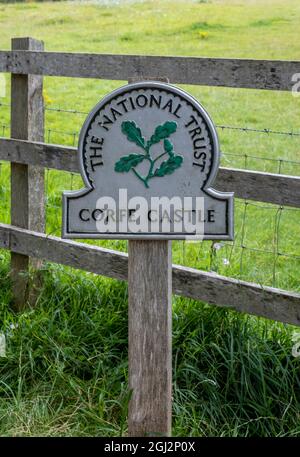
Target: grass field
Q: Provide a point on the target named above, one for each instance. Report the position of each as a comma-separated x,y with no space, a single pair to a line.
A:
66,367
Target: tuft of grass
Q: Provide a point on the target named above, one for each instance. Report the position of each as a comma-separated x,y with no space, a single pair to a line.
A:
198,26
52,21
269,22
127,37
234,375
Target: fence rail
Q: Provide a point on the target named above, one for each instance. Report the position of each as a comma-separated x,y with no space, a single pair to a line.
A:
246,184
26,239
212,288
241,73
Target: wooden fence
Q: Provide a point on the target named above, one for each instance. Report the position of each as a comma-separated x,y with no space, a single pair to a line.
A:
29,156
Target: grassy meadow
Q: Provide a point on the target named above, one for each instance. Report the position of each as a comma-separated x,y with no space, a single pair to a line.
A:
65,369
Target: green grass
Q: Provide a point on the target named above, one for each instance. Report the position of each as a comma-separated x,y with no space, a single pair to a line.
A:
66,366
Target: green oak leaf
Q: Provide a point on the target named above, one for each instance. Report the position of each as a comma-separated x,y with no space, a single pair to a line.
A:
133,133
169,166
127,162
168,147
162,131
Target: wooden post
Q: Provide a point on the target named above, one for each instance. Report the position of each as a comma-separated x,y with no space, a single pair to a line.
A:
150,337
27,182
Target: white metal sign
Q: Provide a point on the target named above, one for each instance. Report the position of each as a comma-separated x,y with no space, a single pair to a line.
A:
148,155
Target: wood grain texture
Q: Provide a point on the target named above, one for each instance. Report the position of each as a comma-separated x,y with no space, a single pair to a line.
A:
149,337
242,296
104,262
268,302
27,182
264,187
243,73
253,185
39,154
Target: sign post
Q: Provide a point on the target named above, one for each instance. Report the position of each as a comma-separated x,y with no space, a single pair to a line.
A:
149,337
148,155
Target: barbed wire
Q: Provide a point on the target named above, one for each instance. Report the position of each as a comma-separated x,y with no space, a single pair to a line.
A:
250,156
266,130
64,110
222,127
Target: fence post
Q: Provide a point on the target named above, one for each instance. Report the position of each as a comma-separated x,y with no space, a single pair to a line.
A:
27,182
150,337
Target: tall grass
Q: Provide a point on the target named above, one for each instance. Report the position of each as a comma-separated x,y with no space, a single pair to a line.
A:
66,367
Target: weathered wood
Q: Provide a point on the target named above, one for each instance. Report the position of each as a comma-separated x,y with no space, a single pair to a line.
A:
252,185
39,154
243,73
264,187
268,302
27,182
97,260
149,337
242,296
